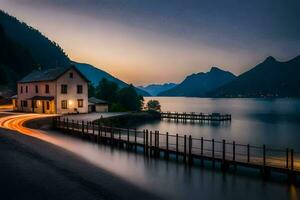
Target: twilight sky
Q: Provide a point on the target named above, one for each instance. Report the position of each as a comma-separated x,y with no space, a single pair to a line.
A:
156,41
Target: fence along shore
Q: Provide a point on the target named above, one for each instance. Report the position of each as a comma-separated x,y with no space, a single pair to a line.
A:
187,149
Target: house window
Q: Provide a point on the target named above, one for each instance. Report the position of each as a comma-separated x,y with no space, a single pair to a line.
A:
71,74
79,89
21,89
26,89
64,104
36,89
47,89
64,89
48,105
80,103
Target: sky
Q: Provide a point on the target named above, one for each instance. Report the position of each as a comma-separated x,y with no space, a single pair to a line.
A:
158,41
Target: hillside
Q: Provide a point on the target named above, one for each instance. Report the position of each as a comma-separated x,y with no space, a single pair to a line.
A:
155,89
95,75
271,78
198,85
24,49
44,51
15,61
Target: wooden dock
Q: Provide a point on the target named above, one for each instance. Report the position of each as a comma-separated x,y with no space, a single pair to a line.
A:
194,117
186,149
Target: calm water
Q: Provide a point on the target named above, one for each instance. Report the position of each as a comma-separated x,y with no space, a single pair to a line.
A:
274,122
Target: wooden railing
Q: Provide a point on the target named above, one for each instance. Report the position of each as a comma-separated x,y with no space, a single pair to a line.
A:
187,148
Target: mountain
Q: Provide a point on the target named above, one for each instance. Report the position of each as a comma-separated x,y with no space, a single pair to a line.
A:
15,60
44,51
271,78
198,85
95,75
155,89
24,49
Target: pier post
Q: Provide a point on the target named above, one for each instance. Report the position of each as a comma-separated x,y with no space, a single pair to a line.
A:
213,152
190,150
201,152
158,151
98,138
154,148
176,146
248,153
82,128
147,142
135,141
287,158
167,146
151,146
127,138
93,128
224,150
292,159
233,154
264,156
184,149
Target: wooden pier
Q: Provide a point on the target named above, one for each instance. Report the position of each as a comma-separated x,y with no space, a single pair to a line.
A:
194,117
187,149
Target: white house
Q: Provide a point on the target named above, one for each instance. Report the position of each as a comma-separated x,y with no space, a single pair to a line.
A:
56,90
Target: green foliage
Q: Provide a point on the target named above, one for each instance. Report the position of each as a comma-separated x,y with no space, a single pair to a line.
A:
124,99
91,90
117,107
153,105
129,98
107,90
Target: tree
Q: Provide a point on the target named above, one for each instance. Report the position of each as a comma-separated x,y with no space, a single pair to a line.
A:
91,90
153,105
130,99
107,90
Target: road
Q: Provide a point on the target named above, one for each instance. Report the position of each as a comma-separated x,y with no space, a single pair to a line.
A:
44,167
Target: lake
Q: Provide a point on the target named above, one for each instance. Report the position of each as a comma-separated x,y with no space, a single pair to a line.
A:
274,122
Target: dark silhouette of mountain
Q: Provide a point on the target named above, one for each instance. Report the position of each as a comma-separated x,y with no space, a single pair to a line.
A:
155,89
95,75
24,49
271,78
15,61
198,85
44,52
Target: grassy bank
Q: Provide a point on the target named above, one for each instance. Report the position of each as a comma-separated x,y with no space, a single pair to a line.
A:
131,119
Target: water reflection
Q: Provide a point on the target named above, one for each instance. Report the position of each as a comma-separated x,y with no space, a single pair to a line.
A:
274,122
171,180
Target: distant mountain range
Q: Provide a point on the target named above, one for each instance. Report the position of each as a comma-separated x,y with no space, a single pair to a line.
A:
155,89
271,78
198,85
24,49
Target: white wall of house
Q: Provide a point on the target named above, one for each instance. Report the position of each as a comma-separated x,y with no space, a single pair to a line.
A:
72,96
29,91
